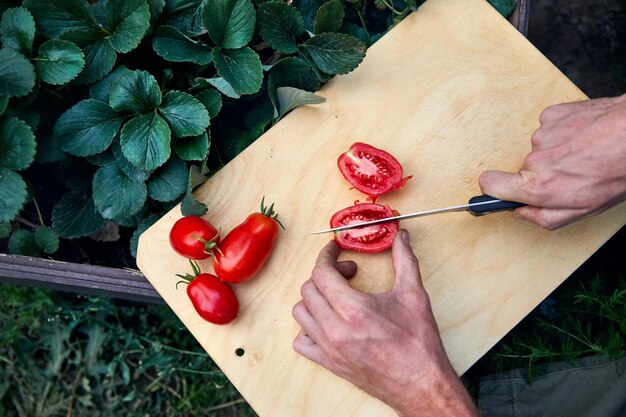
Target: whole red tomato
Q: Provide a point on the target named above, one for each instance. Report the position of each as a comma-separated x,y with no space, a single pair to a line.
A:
371,170
245,249
193,237
214,300
374,238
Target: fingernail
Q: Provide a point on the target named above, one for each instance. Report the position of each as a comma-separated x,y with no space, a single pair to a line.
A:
404,235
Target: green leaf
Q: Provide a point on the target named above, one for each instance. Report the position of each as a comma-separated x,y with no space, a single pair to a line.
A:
103,158
129,20
329,17
47,239
30,117
336,53
192,149
293,72
219,83
100,59
143,226
4,102
75,215
135,219
145,141
173,45
5,230
185,115
212,101
504,7
59,61
280,25
240,67
169,181
17,74
87,128
229,23
190,206
17,144
289,98
22,242
12,194
156,8
231,142
100,90
54,17
135,91
126,166
17,30
185,15
115,195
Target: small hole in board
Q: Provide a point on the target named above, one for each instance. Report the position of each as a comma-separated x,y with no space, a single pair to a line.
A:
239,352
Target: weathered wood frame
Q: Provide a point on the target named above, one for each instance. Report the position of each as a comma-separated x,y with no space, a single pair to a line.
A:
126,284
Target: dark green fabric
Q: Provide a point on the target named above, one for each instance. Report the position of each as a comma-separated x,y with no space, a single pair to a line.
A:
590,387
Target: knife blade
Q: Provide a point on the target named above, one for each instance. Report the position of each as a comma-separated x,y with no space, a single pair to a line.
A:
476,206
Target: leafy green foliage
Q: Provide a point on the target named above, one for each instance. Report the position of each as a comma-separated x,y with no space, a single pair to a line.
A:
280,25
335,53
229,23
17,74
17,30
504,7
175,46
76,215
329,17
59,62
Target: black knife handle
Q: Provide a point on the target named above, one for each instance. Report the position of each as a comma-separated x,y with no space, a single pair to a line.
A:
500,205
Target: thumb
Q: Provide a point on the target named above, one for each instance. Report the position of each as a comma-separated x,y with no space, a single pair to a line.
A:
504,185
405,262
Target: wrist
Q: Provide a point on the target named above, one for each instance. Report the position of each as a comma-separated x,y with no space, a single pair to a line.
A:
446,396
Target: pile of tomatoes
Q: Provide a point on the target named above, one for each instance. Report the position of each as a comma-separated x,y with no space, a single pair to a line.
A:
374,172
236,259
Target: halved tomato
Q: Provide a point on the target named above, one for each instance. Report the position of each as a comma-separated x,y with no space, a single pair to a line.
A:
371,170
373,238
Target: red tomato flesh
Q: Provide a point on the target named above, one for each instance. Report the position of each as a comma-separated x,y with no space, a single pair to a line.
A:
213,300
374,238
371,170
244,250
193,237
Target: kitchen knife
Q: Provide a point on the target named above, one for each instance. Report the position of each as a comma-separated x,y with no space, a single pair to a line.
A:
477,206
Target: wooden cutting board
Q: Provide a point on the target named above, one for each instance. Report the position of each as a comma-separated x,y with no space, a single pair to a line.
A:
451,91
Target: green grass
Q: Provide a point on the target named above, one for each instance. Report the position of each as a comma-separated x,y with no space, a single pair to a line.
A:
65,355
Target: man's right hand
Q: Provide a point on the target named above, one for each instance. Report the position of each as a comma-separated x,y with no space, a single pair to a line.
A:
577,166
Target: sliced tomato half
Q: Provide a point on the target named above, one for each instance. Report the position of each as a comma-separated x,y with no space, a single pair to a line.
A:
371,170
373,238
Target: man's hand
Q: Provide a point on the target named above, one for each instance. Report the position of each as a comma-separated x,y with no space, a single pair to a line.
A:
386,344
577,167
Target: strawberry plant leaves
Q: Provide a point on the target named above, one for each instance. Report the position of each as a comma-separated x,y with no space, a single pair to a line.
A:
293,72
100,59
185,15
169,181
289,98
22,242
190,206
5,230
156,8
17,30
504,7
280,25
240,67
4,102
103,158
17,144
212,101
128,20
126,166
47,239
143,226
12,194
115,195
59,61
184,113
335,53
17,74
145,141
101,89
87,128
54,17
229,23
135,91
329,17
192,149
75,215
173,45
219,83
